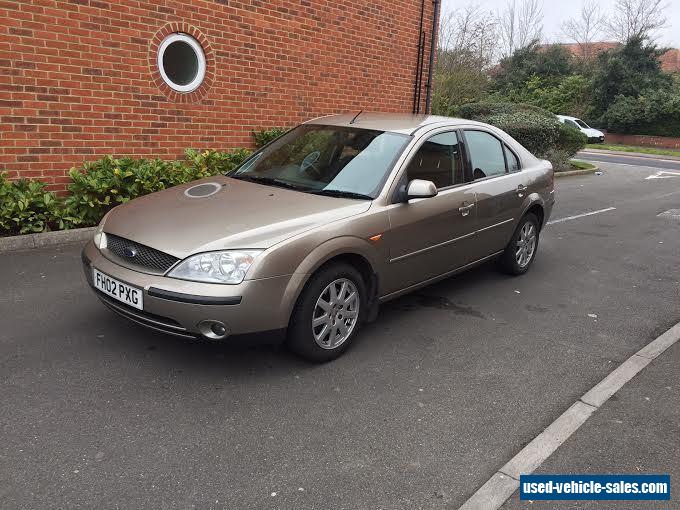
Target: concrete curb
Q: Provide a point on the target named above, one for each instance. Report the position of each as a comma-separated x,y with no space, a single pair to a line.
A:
31,241
629,154
496,491
577,172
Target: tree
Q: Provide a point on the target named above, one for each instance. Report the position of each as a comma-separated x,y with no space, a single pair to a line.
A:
466,49
467,40
631,70
549,63
571,96
636,19
585,28
519,25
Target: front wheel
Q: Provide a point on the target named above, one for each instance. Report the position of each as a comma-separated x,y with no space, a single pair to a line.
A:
521,250
328,313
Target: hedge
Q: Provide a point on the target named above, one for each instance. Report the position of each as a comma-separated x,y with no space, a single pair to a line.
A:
26,206
538,130
656,113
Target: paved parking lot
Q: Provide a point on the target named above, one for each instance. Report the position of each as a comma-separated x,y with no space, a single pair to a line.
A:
432,399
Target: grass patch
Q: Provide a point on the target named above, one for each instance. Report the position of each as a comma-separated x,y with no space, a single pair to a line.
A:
574,164
580,165
632,148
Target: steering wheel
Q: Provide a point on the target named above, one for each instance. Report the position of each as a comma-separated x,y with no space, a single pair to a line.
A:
310,162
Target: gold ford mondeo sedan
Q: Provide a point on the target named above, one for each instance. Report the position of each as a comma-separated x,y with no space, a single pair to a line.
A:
311,233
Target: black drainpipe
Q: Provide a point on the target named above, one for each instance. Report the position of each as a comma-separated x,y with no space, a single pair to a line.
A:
419,62
433,42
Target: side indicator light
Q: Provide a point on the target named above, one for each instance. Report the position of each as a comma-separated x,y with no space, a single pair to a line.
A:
375,238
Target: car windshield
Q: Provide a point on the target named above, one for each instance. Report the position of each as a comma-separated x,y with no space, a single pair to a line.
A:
581,123
327,160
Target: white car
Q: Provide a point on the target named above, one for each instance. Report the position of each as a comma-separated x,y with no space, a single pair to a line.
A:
593,134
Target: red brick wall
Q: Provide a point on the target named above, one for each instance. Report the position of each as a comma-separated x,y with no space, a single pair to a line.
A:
643,140
78,78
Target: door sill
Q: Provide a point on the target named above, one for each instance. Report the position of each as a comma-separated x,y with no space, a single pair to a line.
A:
424,283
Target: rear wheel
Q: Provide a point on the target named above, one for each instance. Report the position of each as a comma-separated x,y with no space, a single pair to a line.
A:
521,250
328,313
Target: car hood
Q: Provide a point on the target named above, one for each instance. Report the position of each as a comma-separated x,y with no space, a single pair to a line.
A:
238,214
592,132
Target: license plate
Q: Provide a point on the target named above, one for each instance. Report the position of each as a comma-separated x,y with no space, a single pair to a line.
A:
118,290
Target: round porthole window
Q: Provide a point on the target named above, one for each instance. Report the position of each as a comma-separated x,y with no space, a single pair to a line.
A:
181,62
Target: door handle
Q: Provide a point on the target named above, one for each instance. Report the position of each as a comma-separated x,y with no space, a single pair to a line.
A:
465,209
520,190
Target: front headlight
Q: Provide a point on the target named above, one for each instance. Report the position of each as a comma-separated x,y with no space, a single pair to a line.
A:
100,236
228,266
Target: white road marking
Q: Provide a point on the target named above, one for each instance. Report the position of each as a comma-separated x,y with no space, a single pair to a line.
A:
663,174
671,213
583,215
495,492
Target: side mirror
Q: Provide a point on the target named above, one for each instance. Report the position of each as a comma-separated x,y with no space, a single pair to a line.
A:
419,188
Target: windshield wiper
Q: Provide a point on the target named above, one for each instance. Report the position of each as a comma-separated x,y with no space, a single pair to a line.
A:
341,194
270,181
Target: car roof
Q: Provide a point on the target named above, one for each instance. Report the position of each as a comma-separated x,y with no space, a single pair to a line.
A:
404,123
568,117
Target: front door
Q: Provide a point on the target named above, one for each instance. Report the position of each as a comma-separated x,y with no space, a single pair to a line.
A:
427,236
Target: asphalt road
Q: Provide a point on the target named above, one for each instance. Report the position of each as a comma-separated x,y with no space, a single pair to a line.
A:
659,162
431,400
637,431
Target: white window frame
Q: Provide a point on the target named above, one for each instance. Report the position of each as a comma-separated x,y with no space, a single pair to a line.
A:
198,50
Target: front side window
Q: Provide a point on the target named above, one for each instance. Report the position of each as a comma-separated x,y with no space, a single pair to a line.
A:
486,154
582,124
438,160
330,160
571,123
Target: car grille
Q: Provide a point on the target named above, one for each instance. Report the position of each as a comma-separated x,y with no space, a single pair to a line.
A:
163,324
144,257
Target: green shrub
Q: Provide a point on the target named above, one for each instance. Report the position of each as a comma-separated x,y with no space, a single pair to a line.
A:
568,96
100,185
96,187
538,130
26,207
211,162
571,140
265,136
474,111
653,113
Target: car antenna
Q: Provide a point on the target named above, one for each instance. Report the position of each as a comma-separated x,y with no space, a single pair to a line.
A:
362,110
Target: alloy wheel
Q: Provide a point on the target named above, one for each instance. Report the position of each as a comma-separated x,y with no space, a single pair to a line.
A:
526,244
336,313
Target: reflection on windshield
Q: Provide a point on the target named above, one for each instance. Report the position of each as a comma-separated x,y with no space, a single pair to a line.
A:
332,160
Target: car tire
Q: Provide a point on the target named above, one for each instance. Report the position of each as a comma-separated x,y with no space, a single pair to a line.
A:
520,252
335,298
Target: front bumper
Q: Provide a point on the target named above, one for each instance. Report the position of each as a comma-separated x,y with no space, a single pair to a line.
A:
177,306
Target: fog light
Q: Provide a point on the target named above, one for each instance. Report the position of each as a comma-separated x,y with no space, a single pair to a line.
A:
214,330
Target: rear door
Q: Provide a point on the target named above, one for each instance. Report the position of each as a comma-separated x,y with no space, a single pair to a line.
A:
499,186
428,236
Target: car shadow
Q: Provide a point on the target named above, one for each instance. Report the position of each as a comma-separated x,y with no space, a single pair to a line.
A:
247,356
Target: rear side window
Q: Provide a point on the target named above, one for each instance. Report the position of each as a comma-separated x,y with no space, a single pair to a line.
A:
438,160
486,154
512,160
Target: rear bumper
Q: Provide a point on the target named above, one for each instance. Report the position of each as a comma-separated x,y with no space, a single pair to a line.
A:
177,307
